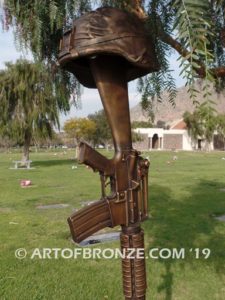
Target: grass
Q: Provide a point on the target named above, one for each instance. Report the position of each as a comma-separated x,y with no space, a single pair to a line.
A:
184,196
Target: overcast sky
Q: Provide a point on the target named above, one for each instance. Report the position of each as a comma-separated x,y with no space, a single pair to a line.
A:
90,100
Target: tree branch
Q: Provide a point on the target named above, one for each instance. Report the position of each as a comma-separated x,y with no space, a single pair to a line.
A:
136,7
166,38
218,72
201,70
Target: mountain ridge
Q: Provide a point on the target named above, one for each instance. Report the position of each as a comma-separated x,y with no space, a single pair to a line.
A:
164,111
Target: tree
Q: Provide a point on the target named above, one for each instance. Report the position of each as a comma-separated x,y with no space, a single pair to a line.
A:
141,124
193,125
6,142
194,29
80,129
161,124
221,127
45,141
102,134
202,123
28,103
137,137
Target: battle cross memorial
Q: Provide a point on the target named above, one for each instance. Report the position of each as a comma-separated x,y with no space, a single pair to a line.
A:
105,49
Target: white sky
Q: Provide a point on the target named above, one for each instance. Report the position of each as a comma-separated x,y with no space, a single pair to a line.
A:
90,100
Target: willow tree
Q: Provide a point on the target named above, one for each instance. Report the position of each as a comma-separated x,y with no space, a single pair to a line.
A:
29,104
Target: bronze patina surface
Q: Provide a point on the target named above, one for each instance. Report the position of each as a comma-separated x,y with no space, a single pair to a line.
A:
107,31
105,49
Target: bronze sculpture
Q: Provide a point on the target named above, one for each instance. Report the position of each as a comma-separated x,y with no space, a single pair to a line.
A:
107,48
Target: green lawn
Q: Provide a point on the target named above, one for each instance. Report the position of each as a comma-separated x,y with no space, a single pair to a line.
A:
184,196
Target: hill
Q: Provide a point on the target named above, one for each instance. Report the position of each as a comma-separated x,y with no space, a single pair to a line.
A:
164,111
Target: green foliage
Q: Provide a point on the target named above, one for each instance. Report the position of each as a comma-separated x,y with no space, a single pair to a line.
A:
221,125
102,134
141,124
193,126
202,123
194,28
136,136
194,25
80,129
39,25
28,102
160,124
152,85
208,121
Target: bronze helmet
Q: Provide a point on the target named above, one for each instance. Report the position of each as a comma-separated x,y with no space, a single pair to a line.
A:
107,31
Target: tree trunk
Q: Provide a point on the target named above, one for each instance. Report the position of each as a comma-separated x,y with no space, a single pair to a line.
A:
26,146
76,152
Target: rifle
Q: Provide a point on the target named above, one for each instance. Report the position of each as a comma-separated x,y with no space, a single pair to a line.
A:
120,207
127,172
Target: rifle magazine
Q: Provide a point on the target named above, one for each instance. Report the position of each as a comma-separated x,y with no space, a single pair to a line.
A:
89,220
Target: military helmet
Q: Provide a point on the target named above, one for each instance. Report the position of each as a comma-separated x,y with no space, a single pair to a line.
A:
107,31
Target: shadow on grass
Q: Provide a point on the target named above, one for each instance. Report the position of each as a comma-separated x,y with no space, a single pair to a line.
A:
52,163
187,223
167,281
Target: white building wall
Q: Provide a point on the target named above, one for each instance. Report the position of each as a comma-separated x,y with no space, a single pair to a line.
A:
185,145
150,131
187,142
